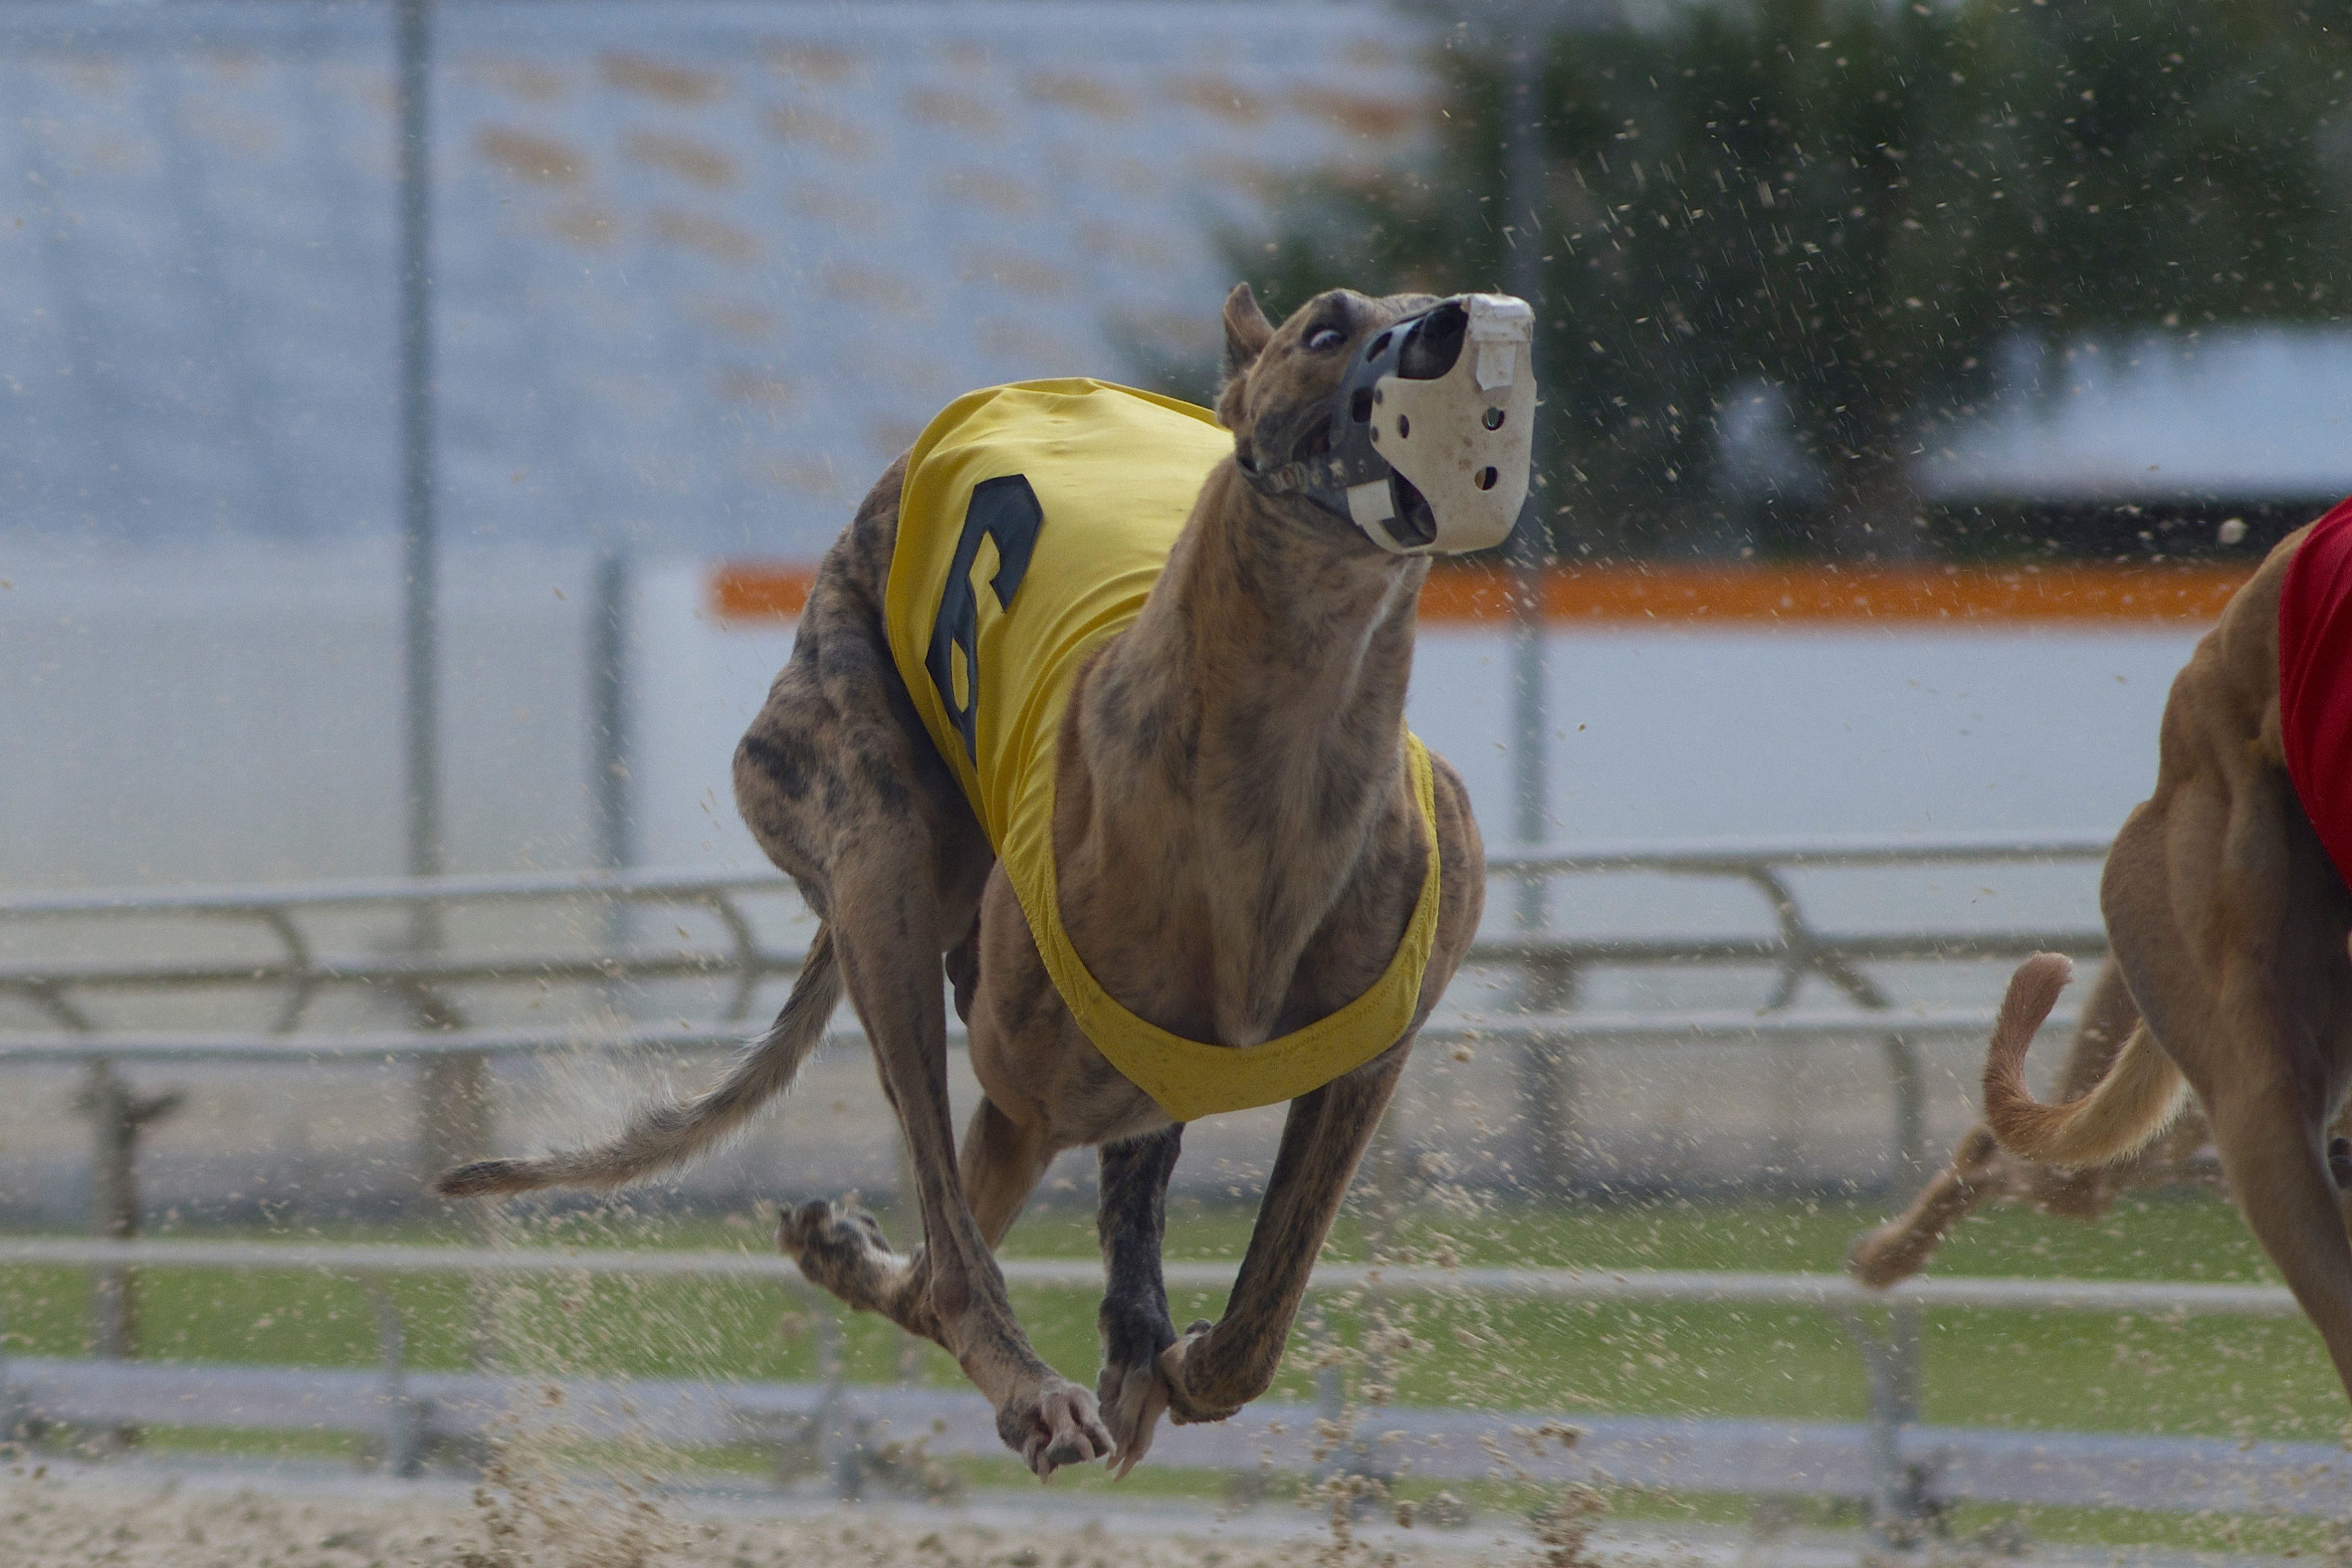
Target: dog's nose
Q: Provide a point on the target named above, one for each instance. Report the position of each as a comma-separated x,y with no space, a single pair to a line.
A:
1436,343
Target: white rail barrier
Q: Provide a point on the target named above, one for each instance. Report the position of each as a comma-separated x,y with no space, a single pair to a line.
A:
302,961
304,935
852,1431
301,965
2186,1298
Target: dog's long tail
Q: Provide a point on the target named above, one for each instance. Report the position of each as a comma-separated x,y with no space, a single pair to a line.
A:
668,1134
2138,1099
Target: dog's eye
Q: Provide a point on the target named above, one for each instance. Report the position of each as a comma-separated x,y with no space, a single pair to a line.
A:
1323,339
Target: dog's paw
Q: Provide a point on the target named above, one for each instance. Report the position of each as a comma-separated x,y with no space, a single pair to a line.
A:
1052,1425
1132,1399
841,1248
1184,1405
1884,1257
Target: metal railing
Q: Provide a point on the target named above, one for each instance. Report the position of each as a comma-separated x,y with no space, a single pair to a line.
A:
305,953
308,953
302,966
849,1432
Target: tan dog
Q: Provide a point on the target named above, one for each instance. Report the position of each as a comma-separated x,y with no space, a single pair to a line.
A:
1980,1171
2228,923
1239,845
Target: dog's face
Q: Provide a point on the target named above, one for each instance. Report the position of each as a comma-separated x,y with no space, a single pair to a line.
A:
1279,380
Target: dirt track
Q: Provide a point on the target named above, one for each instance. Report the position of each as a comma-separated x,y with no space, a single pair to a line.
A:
126,1521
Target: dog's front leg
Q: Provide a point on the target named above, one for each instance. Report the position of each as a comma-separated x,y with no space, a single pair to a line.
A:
886,925
1131,1221
1215,1369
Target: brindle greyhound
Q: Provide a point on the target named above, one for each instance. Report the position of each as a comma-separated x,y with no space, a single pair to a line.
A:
2228,926
1239,850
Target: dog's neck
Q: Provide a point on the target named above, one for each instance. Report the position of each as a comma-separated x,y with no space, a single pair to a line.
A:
1240,741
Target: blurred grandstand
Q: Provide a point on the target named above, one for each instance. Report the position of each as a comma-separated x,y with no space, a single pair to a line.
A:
702,269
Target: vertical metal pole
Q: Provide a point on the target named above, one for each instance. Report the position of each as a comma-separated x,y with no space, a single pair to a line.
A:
403,1417
1530,543
117,1116
1547,1089
608,654
841,1449
1903,1375
1899,1493
113,1211
1548,1083
452,1089
608,728
413,20
1907,1079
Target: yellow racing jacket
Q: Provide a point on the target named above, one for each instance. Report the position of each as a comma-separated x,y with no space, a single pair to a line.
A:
1034,521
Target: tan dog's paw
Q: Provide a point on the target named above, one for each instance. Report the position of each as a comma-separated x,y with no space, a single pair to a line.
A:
1132,1398
1052,1425
1183,1408
1889,1255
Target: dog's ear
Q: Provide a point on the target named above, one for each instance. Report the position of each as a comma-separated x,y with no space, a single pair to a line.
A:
1246,330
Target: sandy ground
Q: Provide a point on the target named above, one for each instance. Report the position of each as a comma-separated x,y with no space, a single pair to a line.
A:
142,1513
141,1516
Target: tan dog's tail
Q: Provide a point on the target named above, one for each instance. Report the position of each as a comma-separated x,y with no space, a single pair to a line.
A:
664,1135
2138,1099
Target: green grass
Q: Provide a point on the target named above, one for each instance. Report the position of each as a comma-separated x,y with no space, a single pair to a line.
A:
2235,1377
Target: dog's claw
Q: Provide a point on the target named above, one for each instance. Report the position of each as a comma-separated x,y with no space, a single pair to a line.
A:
1059,1427
1132,1399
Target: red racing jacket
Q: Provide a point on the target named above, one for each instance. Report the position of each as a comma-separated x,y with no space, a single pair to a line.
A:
2315,681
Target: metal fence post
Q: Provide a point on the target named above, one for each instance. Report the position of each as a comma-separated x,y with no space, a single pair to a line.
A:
1900,1506
17,1420
840,1447
608,717
404,1417
117,1116
608,743
452,1090
1548,1081
1909,1083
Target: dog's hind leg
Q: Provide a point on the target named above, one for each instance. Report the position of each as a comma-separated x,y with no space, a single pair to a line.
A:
1215,1369
890,929
2269,1127
2230,926
1979,1170
1901,1248
1132,1223
844,1249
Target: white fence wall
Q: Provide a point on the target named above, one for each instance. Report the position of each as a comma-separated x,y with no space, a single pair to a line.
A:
232,713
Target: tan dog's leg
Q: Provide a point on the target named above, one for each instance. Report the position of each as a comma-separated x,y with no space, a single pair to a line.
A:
889,929
2253,1025
1979,1170
1215,1369
1899,1249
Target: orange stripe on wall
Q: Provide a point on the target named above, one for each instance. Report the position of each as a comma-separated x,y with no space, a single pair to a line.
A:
751,591
755,591
1727,595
